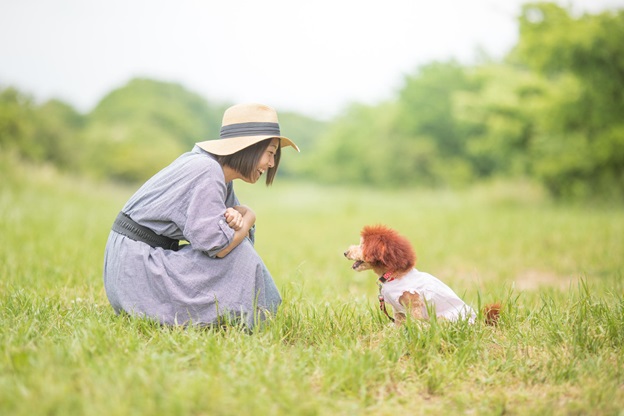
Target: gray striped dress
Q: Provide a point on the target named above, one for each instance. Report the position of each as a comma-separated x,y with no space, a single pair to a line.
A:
187,201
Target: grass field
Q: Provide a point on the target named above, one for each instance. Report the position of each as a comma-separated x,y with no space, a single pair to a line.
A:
329,351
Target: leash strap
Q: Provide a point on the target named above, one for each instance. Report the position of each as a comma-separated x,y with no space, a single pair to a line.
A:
382,301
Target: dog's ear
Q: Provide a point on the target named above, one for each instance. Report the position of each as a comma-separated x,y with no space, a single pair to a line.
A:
382,246
374,250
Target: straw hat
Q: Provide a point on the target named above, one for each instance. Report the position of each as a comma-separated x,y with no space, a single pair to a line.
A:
244,125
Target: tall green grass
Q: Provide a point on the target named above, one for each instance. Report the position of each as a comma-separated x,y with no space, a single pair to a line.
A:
329,350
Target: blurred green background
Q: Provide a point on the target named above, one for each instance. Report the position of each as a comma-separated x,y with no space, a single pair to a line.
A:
551,112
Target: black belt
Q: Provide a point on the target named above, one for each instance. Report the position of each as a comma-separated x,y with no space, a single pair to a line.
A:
125,225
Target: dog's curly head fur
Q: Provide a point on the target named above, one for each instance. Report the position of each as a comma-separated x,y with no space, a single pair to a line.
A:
382,249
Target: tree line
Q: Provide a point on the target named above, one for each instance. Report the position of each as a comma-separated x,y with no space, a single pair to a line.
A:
552,110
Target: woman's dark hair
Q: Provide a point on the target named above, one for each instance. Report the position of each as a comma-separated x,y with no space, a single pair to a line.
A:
246,160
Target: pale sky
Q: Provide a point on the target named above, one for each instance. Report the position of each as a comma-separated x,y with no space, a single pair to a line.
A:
313,57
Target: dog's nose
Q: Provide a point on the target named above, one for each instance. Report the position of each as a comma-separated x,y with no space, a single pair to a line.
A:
345,254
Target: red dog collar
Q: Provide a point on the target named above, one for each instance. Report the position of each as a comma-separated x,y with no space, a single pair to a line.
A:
386,277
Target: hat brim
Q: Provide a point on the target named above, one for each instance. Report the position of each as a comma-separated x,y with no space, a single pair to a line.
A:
232,145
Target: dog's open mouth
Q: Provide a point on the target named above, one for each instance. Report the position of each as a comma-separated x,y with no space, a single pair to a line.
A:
357,264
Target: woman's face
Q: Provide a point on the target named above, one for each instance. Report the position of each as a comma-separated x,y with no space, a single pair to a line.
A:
266,161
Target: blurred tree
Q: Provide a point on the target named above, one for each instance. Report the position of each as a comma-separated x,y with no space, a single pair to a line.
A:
356,148
417,140
17,133
501,116
140,128
305,131
58,127
579,148
169,107
431,134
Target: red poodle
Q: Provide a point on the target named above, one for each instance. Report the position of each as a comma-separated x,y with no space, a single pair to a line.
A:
407,289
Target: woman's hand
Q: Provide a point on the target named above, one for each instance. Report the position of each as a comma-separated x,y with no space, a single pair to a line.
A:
234,218
240,218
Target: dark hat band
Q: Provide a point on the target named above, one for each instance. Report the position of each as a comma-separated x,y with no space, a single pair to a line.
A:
250,129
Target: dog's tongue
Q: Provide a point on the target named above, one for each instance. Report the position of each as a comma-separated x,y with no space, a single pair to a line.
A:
357,264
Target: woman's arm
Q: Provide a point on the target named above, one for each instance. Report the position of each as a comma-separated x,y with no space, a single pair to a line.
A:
240,218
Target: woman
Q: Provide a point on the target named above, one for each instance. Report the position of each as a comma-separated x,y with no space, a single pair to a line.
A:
218,276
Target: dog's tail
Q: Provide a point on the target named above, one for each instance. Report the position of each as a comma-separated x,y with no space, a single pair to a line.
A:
491,312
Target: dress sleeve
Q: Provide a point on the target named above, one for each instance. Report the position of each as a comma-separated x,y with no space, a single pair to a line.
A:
205,226
230,199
